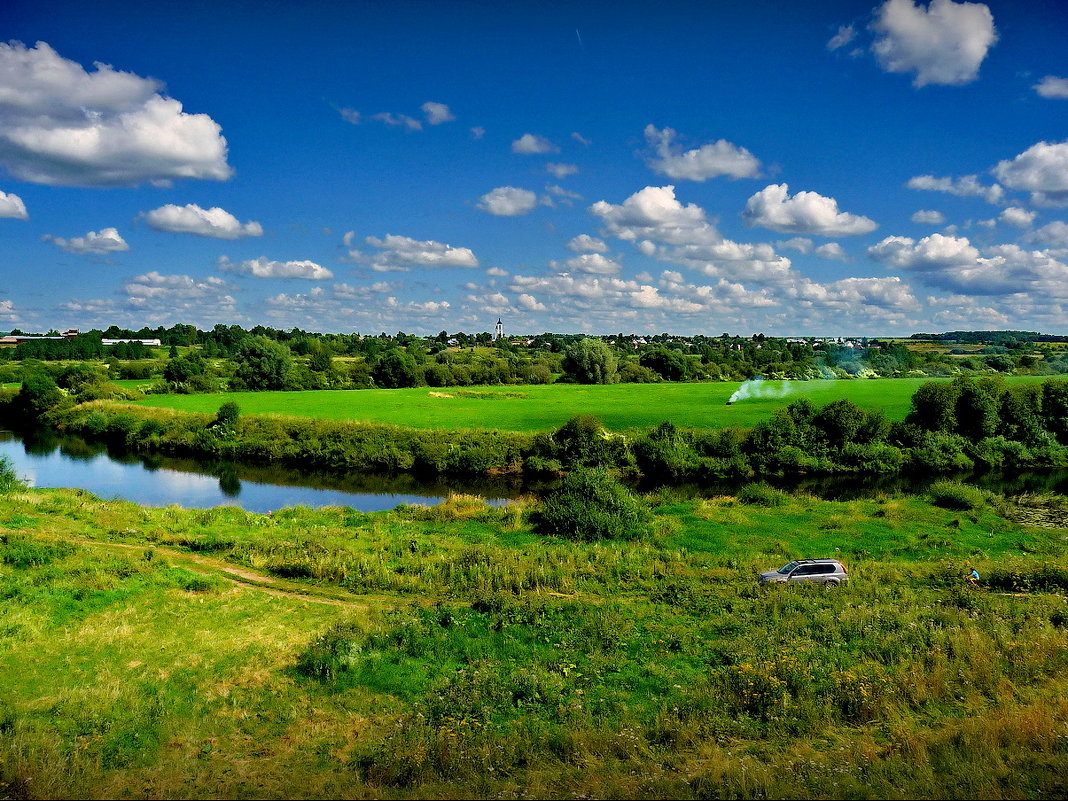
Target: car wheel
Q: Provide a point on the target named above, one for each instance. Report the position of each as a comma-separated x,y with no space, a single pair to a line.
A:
831,583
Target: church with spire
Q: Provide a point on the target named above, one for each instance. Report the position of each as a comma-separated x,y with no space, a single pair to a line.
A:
498,332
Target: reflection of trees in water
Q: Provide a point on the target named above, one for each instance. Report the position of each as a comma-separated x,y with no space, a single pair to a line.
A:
229,482
40,442
79,450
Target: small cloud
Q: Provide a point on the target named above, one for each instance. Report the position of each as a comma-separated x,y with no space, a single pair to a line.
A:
832,250
401,253
397,120
584,243
1052,87
107,240
12,207
592,263
582,140
799,243
845,35
928,217
350,115
708,161
497,272
478,132
965,186
436,113
1015,216
215,222
265,268
1042,170
804,213
508,201
533,144
561,171
530,303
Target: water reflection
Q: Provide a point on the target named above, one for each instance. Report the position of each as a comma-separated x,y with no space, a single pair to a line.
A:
45,459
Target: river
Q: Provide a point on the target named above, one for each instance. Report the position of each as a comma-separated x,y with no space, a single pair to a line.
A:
45,459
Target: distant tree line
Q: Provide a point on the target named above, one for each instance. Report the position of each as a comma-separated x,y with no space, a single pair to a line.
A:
263,358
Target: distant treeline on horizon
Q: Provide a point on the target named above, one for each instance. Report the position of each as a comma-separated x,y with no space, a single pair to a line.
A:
184,334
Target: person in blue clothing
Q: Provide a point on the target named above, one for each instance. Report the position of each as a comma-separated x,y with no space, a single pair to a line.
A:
973,577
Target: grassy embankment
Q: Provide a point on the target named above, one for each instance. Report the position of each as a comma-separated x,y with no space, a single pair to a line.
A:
544,407
475,657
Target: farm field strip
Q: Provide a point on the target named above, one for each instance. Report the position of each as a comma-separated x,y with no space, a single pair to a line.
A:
543,407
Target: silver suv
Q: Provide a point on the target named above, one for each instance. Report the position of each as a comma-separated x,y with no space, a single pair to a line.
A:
828,572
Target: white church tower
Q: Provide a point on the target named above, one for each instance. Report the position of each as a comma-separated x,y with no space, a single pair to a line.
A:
498,332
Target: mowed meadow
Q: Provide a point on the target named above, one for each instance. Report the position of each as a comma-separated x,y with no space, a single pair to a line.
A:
542,407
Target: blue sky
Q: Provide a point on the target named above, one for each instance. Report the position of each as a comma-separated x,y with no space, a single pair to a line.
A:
818,168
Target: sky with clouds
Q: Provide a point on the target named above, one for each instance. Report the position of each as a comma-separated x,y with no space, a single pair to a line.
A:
821,168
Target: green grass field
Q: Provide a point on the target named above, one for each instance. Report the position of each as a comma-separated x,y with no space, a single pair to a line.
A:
451,652
543,407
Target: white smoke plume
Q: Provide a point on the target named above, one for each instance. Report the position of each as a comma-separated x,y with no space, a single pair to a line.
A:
759,388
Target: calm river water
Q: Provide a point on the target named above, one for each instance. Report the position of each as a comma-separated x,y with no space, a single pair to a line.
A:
43,459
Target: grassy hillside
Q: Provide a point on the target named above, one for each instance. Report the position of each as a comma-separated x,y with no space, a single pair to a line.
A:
452,652
537,408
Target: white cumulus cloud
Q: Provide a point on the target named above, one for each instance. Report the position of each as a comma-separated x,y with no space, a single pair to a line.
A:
62,125
508,201
832,250
1042,170
708,161
401,253
1021,218
654,213
1052,86
107,240
593,263
215,222
965,186
561,171
266,268
12,207
804,213
533,144
942,44
928,217
436,113
584,243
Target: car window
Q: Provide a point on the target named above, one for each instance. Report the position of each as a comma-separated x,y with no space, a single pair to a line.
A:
826,568
787,568
805,570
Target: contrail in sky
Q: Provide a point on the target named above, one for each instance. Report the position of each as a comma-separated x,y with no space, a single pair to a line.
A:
580,40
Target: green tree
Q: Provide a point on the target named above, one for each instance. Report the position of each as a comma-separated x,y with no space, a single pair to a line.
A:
670,364
934,407
977,408
38,395
591,361
396,368
263,364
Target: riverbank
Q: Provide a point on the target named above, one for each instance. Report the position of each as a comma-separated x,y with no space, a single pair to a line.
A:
470,656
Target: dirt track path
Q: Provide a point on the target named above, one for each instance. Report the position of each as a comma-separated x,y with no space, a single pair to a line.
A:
240,576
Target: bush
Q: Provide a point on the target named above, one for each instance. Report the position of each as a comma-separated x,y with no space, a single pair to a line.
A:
9,480
957,496
761,494
590,505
